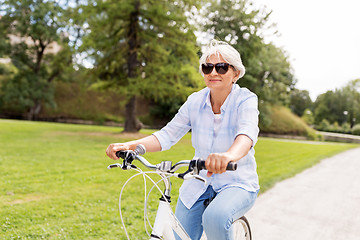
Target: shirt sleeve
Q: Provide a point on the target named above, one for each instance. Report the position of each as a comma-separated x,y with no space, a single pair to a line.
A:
248,115
175,129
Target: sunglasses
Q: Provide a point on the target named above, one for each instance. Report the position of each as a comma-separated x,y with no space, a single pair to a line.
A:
221,68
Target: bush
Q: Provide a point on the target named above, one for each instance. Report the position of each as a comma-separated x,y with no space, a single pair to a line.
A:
265,115
77,101
346,127
324,125
308,117
335,127
356,129
283,121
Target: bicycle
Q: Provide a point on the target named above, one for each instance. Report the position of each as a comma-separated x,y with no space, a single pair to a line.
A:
165,221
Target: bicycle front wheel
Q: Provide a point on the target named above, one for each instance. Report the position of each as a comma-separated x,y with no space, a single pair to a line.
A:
241,230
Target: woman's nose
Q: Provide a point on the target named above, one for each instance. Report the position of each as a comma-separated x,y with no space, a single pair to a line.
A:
214,72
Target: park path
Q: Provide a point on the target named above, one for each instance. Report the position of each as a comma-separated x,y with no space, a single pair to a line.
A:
322,202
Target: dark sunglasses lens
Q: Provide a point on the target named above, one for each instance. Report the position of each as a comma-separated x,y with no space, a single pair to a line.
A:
207,68
221,68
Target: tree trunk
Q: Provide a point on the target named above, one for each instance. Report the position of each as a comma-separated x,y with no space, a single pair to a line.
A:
34,111
132,124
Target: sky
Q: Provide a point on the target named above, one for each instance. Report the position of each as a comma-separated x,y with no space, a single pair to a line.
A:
321,38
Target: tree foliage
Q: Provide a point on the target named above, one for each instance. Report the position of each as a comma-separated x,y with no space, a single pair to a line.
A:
300,101
142,48
341,106
275,80
30,29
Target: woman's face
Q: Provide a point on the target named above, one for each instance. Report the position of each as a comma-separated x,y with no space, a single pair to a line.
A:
216,81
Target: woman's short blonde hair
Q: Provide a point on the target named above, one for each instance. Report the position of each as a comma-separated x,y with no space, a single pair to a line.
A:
230,55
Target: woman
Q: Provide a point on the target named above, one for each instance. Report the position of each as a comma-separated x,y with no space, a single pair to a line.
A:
223,119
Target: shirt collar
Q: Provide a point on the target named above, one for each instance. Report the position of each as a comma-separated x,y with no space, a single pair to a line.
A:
223,107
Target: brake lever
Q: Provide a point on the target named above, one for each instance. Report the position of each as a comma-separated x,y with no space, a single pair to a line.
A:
124,167
114,166
191,175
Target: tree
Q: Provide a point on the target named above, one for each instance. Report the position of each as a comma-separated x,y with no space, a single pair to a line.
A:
341,105
299,101
37,48
275,81
352,95
329,106
142,48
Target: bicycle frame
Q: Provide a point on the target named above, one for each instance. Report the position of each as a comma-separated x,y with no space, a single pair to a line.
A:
166,223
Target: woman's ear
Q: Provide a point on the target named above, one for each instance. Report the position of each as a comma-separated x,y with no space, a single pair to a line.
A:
236,76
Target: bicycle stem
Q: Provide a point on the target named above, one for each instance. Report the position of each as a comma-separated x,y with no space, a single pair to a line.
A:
167,184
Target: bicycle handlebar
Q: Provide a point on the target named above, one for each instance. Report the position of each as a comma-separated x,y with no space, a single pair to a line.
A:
165,166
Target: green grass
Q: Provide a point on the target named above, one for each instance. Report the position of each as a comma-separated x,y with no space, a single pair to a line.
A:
54,183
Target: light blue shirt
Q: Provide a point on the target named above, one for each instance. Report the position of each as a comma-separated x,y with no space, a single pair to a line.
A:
239,115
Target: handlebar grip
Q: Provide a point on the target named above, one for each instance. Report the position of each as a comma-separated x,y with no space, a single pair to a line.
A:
140,150
232,166
121,154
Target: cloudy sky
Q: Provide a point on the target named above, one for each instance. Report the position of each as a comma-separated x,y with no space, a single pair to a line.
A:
322,39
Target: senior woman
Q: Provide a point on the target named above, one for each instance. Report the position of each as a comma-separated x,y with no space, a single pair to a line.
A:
223,119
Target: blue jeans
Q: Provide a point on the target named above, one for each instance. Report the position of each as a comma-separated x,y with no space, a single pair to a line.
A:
215,219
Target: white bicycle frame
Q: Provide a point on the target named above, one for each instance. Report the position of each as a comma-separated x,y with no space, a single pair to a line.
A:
166,223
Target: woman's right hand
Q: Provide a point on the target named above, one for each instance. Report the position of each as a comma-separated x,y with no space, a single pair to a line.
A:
115,147
151,144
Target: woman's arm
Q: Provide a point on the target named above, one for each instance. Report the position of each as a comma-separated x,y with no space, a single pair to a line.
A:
151,144
217,162
240,147
160,140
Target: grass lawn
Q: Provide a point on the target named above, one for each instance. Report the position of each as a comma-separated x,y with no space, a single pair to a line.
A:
54,183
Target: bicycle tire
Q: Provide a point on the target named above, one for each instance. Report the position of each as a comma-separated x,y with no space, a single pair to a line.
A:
242,230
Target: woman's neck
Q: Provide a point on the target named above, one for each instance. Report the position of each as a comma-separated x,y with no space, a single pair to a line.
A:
217,99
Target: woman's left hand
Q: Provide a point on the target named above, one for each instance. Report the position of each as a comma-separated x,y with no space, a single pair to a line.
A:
217,162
